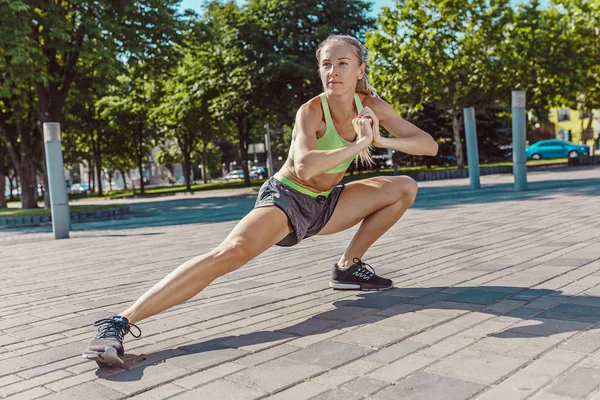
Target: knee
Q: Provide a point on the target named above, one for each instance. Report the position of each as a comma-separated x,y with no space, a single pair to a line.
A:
406,189
234,252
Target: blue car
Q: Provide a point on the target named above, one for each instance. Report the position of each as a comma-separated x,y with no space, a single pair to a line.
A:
555,149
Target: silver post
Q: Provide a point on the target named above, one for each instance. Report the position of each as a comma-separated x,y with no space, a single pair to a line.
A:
472,152
268,148
518,138
59,201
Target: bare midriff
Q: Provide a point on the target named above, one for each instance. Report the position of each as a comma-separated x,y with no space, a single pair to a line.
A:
320,183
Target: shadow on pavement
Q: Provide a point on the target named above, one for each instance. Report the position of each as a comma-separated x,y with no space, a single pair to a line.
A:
536,312
234,208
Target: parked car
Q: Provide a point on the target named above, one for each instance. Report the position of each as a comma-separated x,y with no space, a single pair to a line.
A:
237,174
260,171
80,188
555,149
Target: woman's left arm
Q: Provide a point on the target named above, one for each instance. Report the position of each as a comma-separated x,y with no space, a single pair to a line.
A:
407,138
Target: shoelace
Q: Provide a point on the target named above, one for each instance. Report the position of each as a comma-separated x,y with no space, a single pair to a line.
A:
115,327
364,265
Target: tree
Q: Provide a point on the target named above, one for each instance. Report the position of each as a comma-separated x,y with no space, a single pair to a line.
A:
45,46
127,110
542,55
263,64
440,52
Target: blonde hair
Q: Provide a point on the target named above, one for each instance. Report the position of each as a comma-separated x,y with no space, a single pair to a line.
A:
362,85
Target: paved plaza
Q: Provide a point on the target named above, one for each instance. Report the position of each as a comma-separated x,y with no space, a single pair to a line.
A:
497,297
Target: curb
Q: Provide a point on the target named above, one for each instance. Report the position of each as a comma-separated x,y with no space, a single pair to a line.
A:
81,216
464,173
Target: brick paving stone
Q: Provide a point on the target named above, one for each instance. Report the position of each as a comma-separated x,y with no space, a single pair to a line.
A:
87,391
303,391
31,394
337,394
139,379
162,392
31,383
476,366
328,354
208,375
275,375
364,386
267,355
394,352
221,390
509,299
425,386
577,383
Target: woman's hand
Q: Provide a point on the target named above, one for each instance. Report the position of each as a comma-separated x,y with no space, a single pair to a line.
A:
363,128
368,113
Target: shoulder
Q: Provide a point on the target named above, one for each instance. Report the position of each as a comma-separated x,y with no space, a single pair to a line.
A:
380,107
310,112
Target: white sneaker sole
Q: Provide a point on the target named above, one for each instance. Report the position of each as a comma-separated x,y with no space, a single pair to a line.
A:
352,286
109,357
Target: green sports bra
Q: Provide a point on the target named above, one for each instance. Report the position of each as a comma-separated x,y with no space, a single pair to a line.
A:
331,140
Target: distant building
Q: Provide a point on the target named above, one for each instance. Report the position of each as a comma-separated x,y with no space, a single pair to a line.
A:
571,125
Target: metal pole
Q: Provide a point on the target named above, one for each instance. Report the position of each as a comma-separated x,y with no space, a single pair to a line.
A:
269,156
518,138
59,201
472,152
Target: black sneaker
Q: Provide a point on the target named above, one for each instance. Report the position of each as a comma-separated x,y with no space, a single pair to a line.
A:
106,347
359,275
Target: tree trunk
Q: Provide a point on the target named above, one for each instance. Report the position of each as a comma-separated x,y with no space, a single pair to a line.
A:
243,125
23,162
122,172
204,163
187,171
12,181
2,181
141,158
458,148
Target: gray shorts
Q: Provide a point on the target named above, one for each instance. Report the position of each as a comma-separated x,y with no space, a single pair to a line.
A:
307,214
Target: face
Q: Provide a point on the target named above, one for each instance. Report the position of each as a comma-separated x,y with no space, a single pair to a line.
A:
339,69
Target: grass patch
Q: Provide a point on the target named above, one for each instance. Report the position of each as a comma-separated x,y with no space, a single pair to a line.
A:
198,187
19,212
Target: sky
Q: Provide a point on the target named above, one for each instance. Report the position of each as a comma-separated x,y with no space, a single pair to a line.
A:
377,5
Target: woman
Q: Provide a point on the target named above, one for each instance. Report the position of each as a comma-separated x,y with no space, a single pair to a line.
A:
305,197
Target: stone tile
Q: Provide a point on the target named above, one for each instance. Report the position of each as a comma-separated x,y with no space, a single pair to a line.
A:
303,391
578,383
337,394
162,392
57,353
138,379
424,386
15,364
275,375
206,357
477,296
395,351
328,354
221,390
364,386
401,368
31,383
208,375
31,394
267,355
373,336
545,327
87,391
476,366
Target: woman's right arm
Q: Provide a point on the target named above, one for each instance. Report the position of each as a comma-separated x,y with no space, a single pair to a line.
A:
310,162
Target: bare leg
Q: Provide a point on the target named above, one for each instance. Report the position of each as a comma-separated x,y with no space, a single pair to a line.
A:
377,202
255,233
